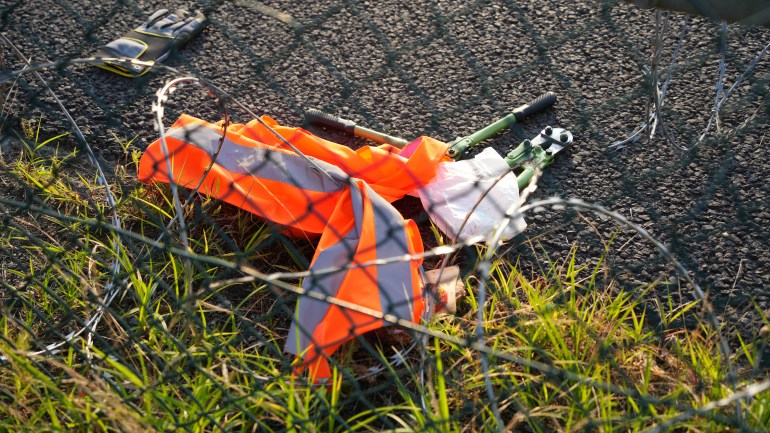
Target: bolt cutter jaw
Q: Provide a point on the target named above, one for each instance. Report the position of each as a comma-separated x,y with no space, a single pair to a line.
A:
538,153
552,140
541,149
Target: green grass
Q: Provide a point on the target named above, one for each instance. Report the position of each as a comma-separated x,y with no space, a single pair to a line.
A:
176,355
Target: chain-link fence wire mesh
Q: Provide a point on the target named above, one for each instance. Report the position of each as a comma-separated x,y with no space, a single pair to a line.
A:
636,302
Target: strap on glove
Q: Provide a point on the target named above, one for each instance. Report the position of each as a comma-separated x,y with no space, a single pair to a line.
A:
152,41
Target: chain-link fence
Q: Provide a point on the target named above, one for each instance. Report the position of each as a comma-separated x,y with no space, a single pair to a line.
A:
188,250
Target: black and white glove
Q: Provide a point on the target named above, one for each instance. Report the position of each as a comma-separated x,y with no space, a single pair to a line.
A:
152,42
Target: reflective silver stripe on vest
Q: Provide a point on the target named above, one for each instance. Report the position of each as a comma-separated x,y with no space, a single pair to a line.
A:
310,312
268,164
395,279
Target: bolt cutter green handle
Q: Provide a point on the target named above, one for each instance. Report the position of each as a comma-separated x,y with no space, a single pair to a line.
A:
461,144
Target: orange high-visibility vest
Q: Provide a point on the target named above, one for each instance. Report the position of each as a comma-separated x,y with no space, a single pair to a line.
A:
390,175
330,190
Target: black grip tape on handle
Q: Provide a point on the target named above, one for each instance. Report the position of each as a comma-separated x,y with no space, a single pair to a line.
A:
319,117
540,103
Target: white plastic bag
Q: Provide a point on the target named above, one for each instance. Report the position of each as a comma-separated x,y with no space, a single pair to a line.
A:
458,186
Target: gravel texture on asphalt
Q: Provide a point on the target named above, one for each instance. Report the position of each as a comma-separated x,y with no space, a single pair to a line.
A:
446,68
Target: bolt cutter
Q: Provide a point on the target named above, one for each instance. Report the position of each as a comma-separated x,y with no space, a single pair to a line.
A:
530,155
457,147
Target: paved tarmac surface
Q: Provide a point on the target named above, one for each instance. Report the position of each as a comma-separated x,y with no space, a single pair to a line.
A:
446,68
